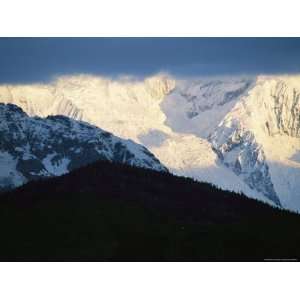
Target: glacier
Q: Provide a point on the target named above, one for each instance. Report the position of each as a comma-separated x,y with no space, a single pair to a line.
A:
240,133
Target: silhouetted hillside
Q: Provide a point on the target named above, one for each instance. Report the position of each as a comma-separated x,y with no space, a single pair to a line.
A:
108,211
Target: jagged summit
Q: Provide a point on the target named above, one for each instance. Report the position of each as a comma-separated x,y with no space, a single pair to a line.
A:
239,133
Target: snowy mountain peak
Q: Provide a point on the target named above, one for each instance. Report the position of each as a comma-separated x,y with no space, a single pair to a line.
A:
160,85
32,147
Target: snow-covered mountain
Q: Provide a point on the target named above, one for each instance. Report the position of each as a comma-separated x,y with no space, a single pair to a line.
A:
32,147
241,134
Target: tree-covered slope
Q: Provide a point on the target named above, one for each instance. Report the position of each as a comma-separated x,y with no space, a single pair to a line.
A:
113,212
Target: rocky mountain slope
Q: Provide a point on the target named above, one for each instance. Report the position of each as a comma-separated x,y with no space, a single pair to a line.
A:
32,147
241,134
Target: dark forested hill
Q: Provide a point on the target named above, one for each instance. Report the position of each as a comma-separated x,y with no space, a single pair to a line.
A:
115,212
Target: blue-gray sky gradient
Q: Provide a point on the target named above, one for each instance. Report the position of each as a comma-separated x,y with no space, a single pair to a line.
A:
39,59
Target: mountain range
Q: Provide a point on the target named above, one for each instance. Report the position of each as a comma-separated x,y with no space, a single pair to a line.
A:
241,134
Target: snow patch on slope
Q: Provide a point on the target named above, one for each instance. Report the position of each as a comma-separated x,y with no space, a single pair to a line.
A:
56,167
9,176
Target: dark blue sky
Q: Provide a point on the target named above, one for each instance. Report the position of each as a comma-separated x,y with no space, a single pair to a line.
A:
39,59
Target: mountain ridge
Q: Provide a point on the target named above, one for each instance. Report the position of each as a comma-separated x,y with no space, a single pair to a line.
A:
33,147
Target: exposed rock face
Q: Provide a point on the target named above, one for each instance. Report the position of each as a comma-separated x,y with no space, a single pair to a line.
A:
67,108
286,109
32,147
238,150
159,86
262,130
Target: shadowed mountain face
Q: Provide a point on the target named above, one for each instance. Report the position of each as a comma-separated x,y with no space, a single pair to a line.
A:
32,147
107,211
